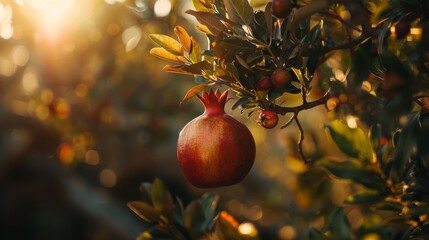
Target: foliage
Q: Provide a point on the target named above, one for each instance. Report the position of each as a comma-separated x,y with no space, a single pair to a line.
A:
377,95
170,219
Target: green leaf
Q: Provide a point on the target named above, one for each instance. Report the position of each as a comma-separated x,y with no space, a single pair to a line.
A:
298,75
209,202
168,43
235,44
418,211
242,9
406,141
393,64
339,225
145,235
315,234
200,6
194,219
374,224
145,190
355,170
192,92
177,69
198,67
365,196
161,197
144,211
210,20
240,102
259,27
269,20
375,136
363,61
389,205
351,141
179,211
243,63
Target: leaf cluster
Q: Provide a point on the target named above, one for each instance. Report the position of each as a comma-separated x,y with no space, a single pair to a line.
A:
170,219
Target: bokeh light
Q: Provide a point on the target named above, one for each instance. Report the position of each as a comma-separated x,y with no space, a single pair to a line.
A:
6,28
108,178
162,8
248,229
287,233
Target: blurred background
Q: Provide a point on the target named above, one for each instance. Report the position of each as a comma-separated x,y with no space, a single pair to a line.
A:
86,115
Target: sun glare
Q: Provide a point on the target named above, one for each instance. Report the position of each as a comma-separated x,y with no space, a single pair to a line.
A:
52,16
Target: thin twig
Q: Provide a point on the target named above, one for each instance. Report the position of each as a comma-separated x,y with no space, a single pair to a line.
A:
346,43
321,101
289,121
301,139
342,21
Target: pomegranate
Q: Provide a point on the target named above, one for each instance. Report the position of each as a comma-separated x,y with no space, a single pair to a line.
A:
264,84
281,8
402,29
280,78
268,119
214,149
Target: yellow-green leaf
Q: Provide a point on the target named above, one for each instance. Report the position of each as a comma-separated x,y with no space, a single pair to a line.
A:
212,21
199,6
204,29
145,236
195,55
242,9
166,55
184,38
352,141
144,211
168,43
193,69
192,92
161,197
176,69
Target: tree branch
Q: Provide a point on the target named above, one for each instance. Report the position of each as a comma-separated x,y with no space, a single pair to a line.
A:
321,101
301,140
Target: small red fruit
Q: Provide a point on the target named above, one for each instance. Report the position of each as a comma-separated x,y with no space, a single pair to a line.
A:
268,119
280,78
281,8
402,29
264,84
214,149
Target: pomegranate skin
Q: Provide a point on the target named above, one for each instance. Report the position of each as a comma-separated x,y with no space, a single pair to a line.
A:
214,149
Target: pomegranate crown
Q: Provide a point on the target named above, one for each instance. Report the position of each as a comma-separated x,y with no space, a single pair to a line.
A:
214,102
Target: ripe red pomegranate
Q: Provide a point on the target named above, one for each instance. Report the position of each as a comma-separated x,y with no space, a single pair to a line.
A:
268,119
214,149
281,8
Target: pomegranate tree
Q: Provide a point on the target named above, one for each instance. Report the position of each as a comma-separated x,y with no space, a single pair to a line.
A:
215,149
